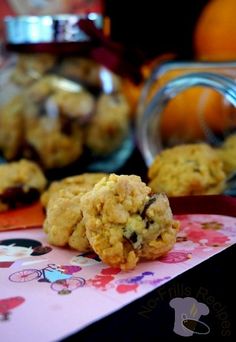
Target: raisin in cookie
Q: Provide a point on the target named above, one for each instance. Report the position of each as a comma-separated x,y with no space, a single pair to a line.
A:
125,223
21,183
191,169
63,223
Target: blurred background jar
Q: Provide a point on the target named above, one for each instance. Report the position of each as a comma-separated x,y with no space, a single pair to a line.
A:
58,105
194,108
185,103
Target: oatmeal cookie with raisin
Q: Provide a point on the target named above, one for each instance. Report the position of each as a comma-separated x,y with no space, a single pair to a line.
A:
227,153
63,223
21,183
125,223
191,169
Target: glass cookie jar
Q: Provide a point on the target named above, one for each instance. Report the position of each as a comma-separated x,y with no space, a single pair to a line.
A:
188,102
58,106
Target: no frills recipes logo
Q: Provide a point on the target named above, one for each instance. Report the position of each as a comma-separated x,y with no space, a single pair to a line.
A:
190,310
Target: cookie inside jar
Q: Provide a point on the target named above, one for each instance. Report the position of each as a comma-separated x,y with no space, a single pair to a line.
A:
58,117
63,110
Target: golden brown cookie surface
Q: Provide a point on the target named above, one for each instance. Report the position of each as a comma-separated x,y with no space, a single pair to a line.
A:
193,169
227,153
109,125
20,182
63,223
12,127
125,223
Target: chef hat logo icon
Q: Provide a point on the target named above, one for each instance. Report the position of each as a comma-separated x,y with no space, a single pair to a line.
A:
188,312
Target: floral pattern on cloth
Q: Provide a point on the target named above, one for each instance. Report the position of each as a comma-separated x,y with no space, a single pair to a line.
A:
204,234
60,282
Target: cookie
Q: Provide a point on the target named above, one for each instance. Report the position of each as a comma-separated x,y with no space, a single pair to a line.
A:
41,89
21,183
109,125
191,169
74,184
31,67
58,110
77,105
90,73
63,224
12,127
53,142
125,223
227,153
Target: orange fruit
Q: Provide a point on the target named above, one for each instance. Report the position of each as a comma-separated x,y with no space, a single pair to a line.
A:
181,120
133,91
214,37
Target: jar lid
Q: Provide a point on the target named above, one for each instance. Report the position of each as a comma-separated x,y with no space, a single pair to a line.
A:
48,29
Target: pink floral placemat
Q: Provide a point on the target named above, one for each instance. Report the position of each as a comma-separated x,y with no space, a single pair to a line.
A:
48,293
